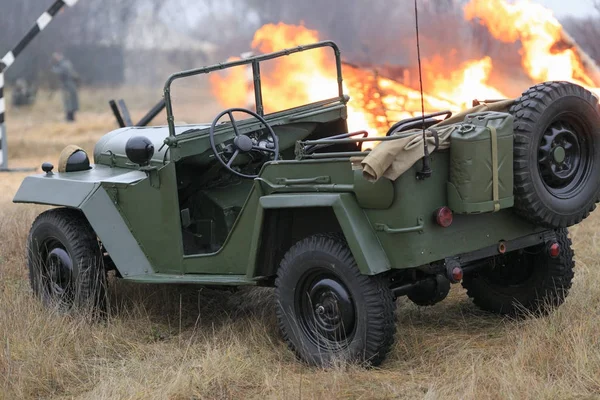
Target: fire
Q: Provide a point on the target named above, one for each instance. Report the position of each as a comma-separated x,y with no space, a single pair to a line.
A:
548,53
231,88
464,84
296,80
291,81
378,101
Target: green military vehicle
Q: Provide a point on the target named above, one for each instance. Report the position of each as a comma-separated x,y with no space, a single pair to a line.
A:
285,200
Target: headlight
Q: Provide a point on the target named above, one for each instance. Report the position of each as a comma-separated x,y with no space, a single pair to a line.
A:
73,158
139,150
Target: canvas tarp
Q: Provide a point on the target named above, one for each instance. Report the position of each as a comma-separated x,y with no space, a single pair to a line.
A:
390,159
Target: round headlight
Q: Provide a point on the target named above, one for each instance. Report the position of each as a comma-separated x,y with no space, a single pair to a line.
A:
139,150
73,158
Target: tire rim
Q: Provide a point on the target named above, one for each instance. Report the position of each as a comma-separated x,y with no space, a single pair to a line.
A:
564,158
325,310
57,270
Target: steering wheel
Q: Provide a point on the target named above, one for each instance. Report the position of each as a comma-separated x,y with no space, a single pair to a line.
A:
242,143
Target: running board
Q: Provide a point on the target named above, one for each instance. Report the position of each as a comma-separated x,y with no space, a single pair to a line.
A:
209,280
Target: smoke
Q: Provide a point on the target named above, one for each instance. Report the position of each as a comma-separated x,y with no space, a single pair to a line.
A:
97,35
91,34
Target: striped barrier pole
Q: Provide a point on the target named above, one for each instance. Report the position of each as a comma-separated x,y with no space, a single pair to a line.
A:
9,59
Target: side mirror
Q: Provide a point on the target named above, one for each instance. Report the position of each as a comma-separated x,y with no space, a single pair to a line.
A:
139,150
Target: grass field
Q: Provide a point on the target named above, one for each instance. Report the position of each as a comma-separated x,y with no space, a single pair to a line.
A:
166,342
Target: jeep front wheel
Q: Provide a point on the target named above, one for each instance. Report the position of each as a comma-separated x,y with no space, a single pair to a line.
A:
327,310
523,281
65,261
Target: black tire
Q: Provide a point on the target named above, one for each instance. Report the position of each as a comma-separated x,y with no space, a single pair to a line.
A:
523,281
556,154
327,310
65,261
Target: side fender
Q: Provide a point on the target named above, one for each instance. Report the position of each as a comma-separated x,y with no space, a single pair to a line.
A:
362,239
72,189
115,235
83,190
53,191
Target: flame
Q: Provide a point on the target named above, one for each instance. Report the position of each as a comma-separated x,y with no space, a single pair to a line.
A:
296,80
377,101
548,54
291,81
464,84
230,87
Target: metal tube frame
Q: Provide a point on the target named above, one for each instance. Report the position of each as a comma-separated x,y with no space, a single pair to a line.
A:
302,145
255,61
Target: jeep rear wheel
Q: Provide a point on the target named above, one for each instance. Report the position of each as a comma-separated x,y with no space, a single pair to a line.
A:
522,281
327,310
65,261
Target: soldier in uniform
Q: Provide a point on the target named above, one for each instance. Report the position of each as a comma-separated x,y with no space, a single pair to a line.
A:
68,80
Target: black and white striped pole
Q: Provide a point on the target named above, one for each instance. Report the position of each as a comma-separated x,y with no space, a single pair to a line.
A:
9,59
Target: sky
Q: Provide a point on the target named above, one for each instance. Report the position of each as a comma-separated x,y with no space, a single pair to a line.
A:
564,8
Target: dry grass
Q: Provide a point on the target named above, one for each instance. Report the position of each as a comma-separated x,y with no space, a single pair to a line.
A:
179,343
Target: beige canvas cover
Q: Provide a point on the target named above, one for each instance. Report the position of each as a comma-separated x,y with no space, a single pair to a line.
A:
392,158
64,156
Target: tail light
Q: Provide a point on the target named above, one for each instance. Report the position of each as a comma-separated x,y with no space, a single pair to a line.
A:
444,217
454,272
457,274
554,250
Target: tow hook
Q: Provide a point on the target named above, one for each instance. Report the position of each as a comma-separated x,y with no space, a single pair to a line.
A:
454,271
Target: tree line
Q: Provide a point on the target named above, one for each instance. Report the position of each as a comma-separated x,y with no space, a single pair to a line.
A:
374,32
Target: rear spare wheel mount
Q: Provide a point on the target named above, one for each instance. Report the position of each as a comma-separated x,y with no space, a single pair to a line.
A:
556,156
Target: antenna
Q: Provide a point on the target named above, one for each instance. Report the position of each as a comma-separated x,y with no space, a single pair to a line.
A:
426,170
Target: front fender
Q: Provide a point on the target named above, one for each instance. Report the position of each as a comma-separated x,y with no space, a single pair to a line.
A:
71,189
83,190
362,239
54,191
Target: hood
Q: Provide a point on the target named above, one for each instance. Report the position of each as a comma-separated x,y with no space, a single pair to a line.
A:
110,149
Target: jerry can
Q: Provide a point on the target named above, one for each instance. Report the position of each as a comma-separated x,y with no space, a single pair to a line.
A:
481,164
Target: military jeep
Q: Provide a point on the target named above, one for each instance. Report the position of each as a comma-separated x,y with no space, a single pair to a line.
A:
284,200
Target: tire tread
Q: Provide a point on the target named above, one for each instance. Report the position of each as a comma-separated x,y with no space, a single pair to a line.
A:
526,111
379,299
91,284
547,294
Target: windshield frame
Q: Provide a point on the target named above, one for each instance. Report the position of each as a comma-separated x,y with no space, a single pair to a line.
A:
255,61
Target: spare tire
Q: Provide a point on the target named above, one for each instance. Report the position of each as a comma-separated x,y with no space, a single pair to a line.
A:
556,154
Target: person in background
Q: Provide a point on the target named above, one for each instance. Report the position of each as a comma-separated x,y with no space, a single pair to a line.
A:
68,79
23,93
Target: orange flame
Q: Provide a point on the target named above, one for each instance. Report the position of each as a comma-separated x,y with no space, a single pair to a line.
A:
299,79
542,38
377,101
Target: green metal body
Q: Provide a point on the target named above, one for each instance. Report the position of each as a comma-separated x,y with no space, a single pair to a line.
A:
167,223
